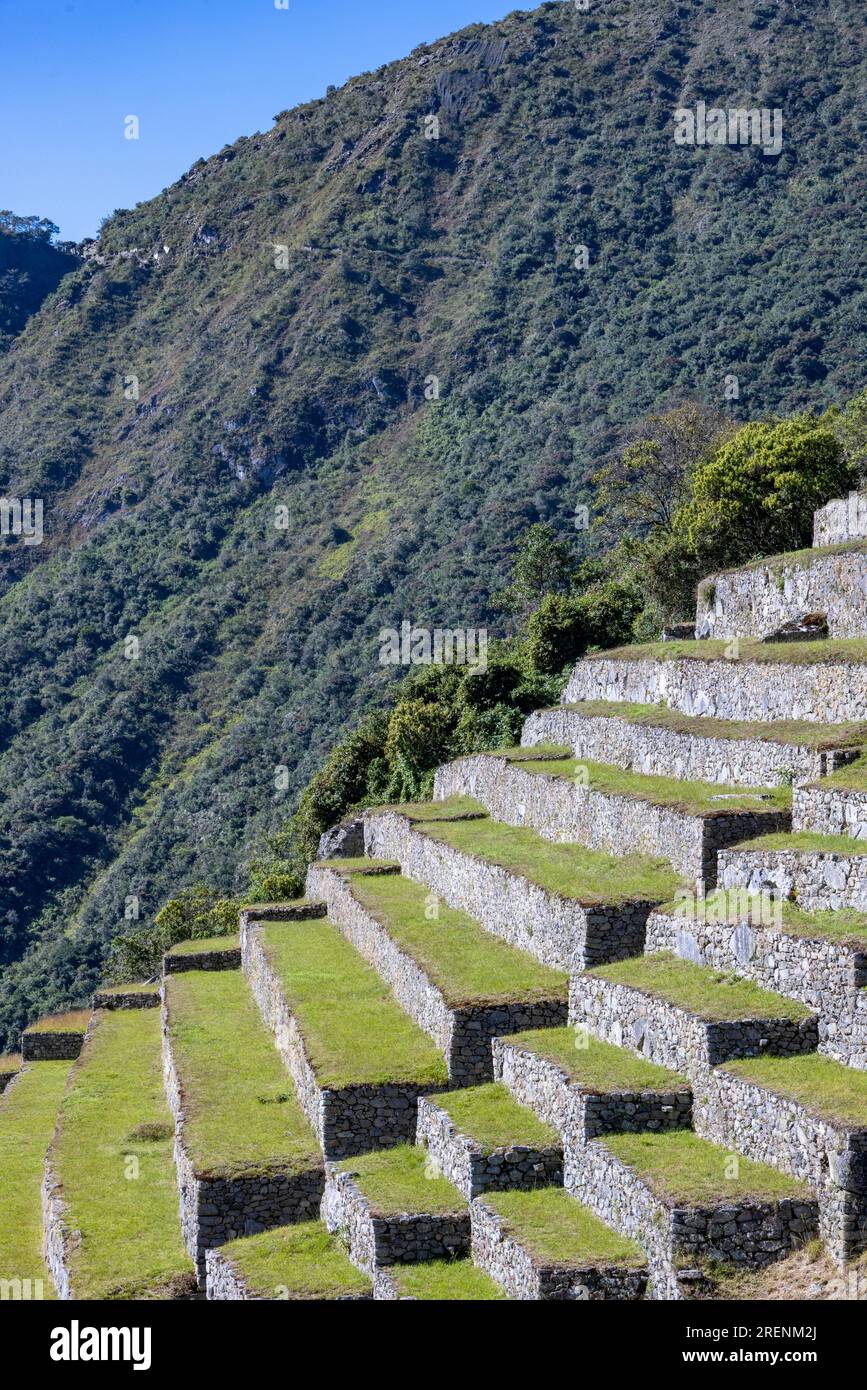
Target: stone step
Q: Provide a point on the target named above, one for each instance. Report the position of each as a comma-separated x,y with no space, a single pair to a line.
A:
688,1202
567,905
821,873
818,958
55,1038
109,1198
215,953
808,1117
301,1262
457,981
686,1017
28,1115
545,1246
482,1140
608,809
654,739
358,1062
817,682
759,599
835,806
133,996
436,1281
584,1088
393,1207
246,1155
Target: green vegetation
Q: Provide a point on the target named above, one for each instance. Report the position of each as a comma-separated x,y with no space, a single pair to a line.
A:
845,651
852,777
445,1281
825,1087
135,988
241,1113
680,1166
112,1154
693,798
568,870
296,1262
32,265
354,1032
28,1111
74,1021
558,1230
809,841
195,916
594,1065
403,1180
490,1115
800,732
465,962
710,994
206,945
843,925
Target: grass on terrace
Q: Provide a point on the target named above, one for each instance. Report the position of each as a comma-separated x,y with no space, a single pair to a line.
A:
354,1031
843,650
790,731
75,1021
445,1281
241,1112
712,995
28,1111
694,798
558,1230
136,987
301,1261
113,1157
852,777
846,926
826,1087
677,1164
597,1066
205,946
776,563
468,964
403,1179
571,871
491,1115
808,840
9,1062
455,808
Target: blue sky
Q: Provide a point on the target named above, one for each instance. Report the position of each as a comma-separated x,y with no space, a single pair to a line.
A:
197,73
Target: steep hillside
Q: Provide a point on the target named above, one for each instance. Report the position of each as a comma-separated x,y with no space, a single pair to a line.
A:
263,335
31,268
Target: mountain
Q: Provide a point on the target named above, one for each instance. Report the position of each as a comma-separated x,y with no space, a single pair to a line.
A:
31,267
323,382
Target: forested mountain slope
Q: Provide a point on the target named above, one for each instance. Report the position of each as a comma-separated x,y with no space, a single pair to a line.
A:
264,335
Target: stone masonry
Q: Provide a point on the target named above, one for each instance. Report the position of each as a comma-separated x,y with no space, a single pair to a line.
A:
757,600
557,931
819,881
526,1277
561,809
50,1047
841,520
473,1169
224,959
224,1282
463,1033
375,1239
692,756
830,811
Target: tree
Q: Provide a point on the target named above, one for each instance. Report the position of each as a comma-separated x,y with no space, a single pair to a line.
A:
544,565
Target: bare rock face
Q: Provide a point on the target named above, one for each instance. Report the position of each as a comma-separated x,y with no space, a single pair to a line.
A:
343,841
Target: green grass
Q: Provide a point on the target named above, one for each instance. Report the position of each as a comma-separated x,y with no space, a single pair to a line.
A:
206,945
594,1065
846,926
455,808
714,996
75,1021
491,1115
302,1261
785,558
557,1230
798,732
28,1111
852,777
446,1281
571,871
468,964
845,650
693,798
138,987
354,1031
826,1087
113,1157
678,1165
807,840
403,1179
241,1112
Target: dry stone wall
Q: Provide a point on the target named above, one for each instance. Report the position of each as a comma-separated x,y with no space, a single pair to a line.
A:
175,964
473,1169
51,1047
375,1240
558,931
830,811
841,520
758,601
819,881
